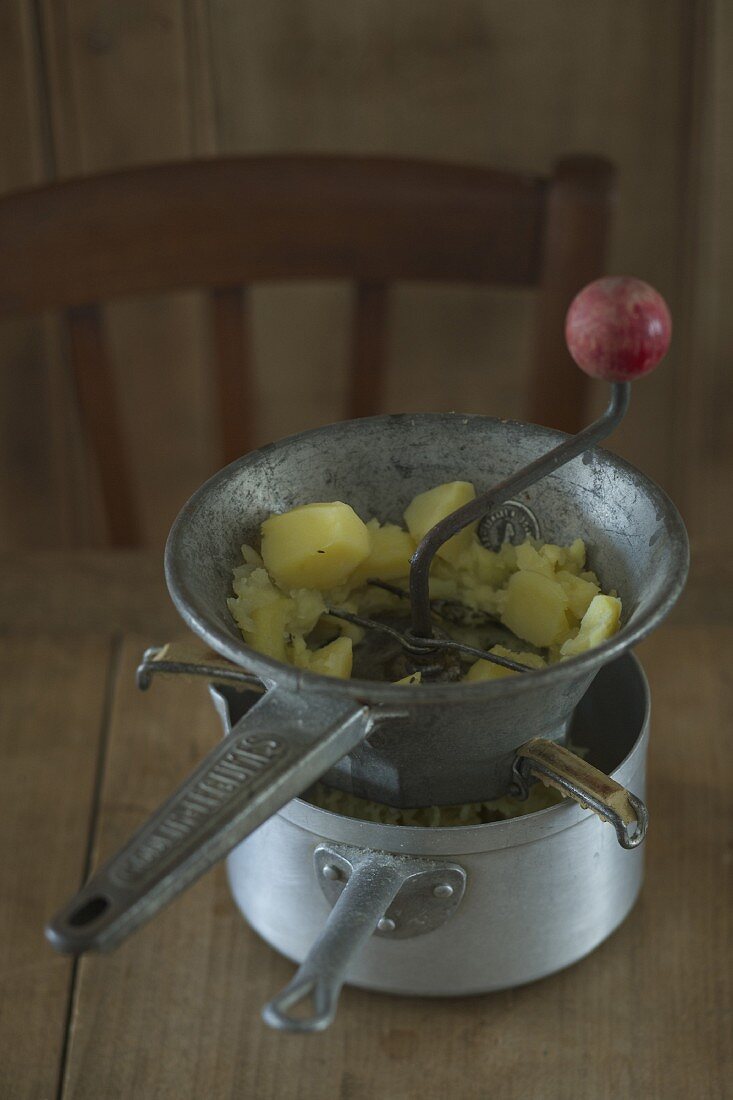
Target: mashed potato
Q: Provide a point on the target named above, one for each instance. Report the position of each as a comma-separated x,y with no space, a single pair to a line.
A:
471,813
322,556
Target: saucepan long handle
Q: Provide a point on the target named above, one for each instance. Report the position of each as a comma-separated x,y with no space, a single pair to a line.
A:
309,1001
278,749
375,893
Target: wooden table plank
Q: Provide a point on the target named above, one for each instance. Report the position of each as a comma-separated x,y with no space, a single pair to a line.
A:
52,697
681,984
175,1011
121,1024
49,591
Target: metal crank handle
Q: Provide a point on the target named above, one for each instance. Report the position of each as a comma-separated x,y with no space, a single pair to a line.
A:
617,329
375,893
575,778
279,748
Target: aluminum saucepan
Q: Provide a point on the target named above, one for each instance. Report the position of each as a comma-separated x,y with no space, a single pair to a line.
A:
444,911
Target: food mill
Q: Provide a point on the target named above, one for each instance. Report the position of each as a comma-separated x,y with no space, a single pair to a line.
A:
411,909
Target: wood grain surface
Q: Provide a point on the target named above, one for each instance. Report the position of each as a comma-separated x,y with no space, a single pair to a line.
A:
53,722
174,1012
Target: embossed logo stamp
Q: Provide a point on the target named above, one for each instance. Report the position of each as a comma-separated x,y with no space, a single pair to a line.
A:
511,522
239,766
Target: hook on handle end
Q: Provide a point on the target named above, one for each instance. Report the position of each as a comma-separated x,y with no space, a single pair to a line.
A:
309,994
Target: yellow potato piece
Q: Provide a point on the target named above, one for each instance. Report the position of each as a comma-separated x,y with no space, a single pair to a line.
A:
314,546
430,507
535,608
390,550
578,591
411,680
321,555
334,659
308,606
531,560
600,622
485,670
263,615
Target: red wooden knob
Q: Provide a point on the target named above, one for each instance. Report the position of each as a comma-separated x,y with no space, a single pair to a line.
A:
618,328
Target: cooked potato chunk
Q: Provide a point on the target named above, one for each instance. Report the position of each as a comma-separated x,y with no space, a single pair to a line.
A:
485,670
535,608
263,614
430,507
600,622
390,550
319,557
333,660
314,546
532,561
578,591
411,680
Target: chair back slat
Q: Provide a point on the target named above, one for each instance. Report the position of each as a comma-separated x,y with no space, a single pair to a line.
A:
222,224
99,408
233,369
237,220
369,350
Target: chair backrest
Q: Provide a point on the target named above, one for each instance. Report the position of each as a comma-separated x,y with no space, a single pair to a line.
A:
224,223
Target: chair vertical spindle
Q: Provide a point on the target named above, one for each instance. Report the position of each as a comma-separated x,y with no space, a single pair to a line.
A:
95,390
577,225
369,349
233,358
225,224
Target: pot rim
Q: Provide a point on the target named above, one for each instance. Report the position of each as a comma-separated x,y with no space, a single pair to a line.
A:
375,693
460,839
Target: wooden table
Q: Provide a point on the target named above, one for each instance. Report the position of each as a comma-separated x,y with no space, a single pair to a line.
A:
175,1011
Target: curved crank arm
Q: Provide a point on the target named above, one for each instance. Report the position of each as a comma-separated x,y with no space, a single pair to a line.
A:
556,766
191,657
278,749
375,893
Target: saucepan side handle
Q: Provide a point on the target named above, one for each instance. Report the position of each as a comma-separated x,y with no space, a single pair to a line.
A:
375,893
556,766
189,657
278,749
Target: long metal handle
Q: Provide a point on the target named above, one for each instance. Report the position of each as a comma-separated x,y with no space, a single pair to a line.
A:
372,893
281,746
557,767
353,919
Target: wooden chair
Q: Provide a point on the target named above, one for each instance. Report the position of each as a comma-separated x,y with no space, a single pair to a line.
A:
223,224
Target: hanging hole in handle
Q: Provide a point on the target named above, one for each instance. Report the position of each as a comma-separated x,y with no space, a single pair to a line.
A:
92,909
302,1006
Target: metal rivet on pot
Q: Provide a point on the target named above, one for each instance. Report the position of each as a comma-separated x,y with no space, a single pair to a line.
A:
386,924
443,890
331,872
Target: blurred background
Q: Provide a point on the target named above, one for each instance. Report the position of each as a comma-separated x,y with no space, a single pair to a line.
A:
88,85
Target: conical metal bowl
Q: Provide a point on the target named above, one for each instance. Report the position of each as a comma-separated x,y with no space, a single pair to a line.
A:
447,743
